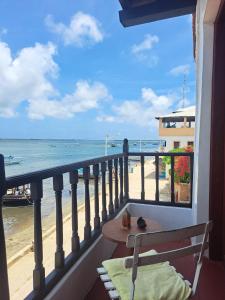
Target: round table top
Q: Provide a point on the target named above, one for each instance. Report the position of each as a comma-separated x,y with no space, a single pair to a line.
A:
114,231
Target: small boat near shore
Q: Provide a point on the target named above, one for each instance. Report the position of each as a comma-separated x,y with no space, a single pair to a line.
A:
10,160
20,196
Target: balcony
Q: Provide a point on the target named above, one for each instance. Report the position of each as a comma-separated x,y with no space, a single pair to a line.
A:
126,180
185,131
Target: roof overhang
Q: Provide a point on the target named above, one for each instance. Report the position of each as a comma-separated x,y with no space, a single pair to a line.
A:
136,12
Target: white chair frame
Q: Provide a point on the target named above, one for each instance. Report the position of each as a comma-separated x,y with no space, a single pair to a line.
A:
156,238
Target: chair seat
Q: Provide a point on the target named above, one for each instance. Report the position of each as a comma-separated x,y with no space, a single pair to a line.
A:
154,282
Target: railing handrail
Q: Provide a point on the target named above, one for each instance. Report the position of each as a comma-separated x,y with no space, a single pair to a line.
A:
115,168
26,178
174,154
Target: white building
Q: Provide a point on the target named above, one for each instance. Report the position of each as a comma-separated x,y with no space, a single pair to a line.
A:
177,129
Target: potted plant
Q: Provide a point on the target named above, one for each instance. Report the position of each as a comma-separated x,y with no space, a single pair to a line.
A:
181,174
182,177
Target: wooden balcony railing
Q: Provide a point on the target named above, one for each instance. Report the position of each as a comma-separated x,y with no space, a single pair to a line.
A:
111,173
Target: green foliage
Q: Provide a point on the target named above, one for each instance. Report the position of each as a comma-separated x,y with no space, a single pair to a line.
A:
167,159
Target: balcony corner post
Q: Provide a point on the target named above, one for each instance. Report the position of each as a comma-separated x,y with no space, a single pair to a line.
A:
126,174
4,286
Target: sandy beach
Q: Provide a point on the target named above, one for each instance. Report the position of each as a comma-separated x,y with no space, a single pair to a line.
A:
23,261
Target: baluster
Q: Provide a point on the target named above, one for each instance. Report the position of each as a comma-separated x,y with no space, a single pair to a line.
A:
121,180
75,240
116,183
104,211
111,208
39,271
142,178
126,173
191,176
96,218
87,227
156,178
4,285
59,254
172,180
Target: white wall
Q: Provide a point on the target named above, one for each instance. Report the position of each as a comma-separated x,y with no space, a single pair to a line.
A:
182,139
168,217
206,14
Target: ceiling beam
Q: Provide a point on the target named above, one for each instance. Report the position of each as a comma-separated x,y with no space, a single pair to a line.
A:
155,11
134,3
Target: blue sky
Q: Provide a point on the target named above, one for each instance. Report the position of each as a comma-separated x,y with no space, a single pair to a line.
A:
69,69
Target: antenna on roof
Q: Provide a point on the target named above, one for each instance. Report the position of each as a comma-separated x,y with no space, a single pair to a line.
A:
184,88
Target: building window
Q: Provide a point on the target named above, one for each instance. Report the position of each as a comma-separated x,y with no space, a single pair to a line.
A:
176,145
190,144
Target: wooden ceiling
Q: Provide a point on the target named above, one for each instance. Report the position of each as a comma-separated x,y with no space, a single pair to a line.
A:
136,12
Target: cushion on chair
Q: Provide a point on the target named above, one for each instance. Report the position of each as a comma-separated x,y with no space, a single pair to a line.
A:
154,282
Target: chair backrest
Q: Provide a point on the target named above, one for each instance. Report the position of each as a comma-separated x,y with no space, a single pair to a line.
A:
155,238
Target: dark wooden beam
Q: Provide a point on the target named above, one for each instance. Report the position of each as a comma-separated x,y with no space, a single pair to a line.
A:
155,11
133,3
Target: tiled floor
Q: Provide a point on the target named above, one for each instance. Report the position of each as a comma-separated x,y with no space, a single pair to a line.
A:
211,283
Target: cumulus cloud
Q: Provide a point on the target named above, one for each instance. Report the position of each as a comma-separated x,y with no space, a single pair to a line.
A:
141,112
142,51
83,30
180,70
28,77
85,97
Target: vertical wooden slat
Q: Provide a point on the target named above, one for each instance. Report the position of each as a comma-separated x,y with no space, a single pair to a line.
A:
4,285
39,271
121,180
126,173
75,240
172,180
104,211
96,218
156,178
116,183
142,178
111,208
59,254
87,227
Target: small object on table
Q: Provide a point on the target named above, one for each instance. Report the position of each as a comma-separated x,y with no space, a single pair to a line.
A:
141,223
126,219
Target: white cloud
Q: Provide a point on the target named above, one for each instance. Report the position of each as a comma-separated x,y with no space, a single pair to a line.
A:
28,77
3,31
142,51
180,70
83,30
141,112
85,97
106,118
147,44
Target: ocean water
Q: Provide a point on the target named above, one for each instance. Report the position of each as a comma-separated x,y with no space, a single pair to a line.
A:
35,155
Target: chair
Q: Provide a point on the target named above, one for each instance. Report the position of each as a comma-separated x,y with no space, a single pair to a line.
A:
152,258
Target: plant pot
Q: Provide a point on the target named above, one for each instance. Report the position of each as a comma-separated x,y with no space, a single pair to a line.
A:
182,192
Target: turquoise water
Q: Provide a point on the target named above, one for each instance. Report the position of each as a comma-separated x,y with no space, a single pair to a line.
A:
41,154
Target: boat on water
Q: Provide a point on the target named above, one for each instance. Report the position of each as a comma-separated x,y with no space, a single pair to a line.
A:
10,160
19,196
113,145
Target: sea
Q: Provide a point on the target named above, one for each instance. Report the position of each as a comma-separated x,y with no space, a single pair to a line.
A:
32,155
